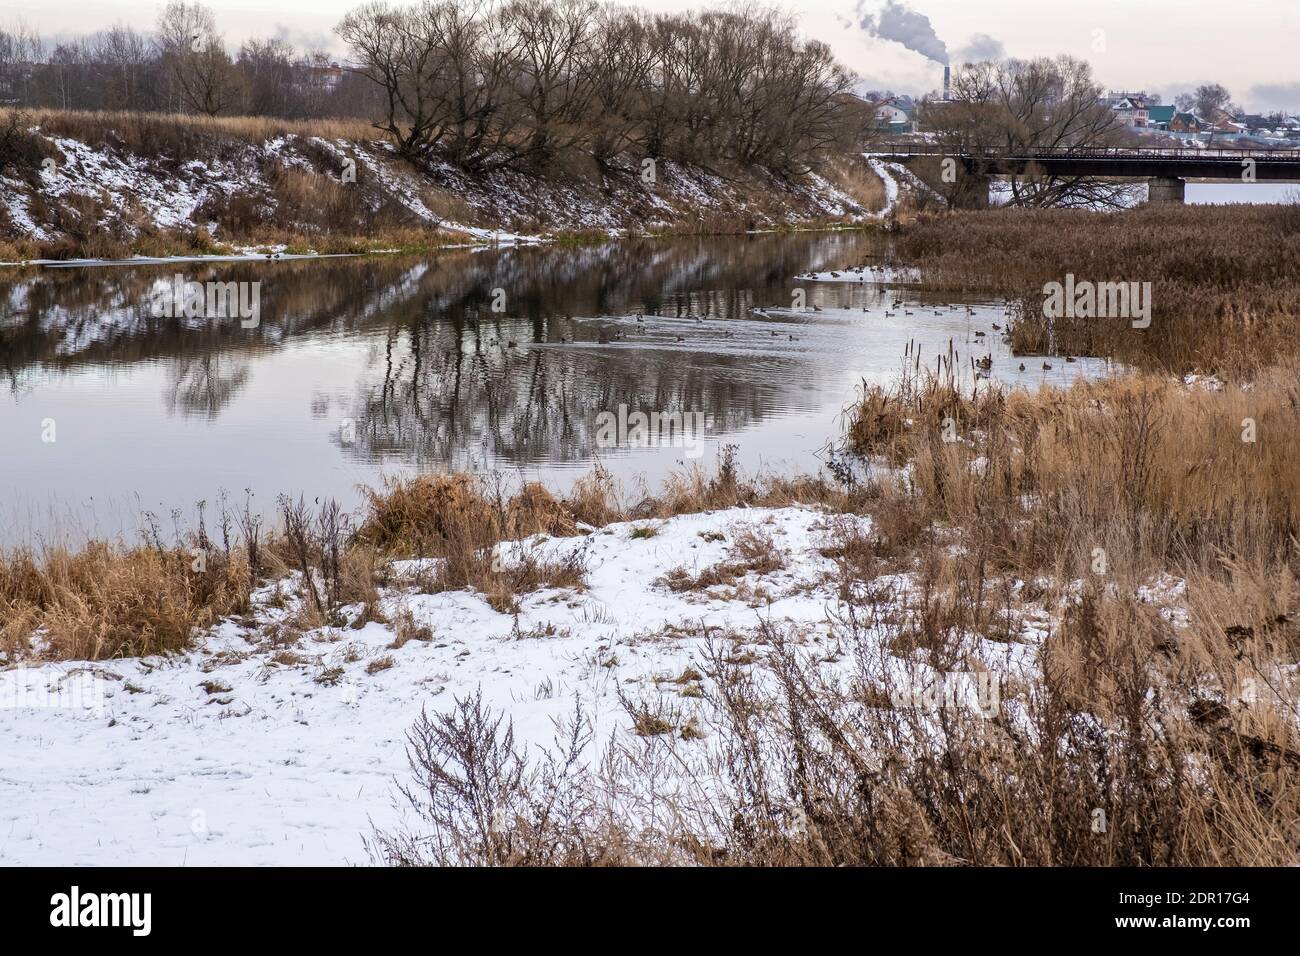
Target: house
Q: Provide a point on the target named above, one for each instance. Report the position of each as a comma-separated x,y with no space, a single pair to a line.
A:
1159,117
321,76
1221,121
895,116
1255,123
1130,108
1185,123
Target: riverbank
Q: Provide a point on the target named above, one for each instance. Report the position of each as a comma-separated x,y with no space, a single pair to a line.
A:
1081,600
109,186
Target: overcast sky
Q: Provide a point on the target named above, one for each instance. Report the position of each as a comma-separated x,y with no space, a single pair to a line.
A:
1164,46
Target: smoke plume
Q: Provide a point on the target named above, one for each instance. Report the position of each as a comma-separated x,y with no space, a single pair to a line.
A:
901,24
979,48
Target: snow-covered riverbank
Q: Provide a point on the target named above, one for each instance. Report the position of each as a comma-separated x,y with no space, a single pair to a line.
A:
94,195
252,749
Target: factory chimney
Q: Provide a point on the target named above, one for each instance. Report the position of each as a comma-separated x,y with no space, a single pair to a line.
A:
947,91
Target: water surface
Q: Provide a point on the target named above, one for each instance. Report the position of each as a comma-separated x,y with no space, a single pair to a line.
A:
363,368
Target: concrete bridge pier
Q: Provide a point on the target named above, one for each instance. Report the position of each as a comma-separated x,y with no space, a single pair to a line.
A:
1166,189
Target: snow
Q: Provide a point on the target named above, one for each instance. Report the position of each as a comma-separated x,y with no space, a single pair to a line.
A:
891,185
129,190
280,769
265,747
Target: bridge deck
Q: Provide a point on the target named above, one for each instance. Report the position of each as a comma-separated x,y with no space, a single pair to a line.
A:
1271,165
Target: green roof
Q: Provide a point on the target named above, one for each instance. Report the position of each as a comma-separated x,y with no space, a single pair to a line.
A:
1160,114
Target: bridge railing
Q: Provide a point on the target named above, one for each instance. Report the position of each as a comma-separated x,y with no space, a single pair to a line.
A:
1084,152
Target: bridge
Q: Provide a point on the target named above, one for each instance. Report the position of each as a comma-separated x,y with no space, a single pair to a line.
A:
1166,170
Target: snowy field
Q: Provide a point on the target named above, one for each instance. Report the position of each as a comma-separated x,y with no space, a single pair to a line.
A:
237,754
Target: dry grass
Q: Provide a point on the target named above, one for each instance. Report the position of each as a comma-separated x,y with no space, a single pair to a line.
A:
1139,739
857,179
785,763
753,551
1162,475
104,602
1224,294
113,600
181,137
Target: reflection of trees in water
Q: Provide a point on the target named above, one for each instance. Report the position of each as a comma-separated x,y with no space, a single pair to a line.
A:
451,390
204,385
446,385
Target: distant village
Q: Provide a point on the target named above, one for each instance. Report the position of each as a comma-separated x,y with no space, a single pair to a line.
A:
1141,113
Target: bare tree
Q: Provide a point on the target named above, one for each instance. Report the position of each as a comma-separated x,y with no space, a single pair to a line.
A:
1212,99
203,77
399,58
20,48
126,60
626,58
1024,105
268,69
554,73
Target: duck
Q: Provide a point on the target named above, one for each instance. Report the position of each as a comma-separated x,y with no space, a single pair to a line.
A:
1022,366
1047,366
985,363
996,327
1069,358
979,335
